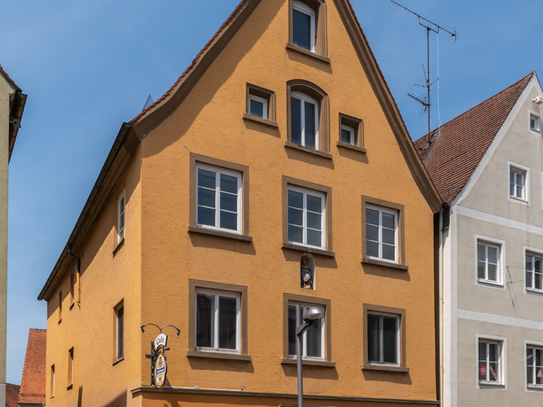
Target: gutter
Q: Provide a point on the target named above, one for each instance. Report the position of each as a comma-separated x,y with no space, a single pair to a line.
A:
55,276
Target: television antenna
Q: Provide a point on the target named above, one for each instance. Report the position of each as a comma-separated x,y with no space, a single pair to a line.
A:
430,26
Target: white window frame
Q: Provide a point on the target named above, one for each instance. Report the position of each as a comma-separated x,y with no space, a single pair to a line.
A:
396,214
304,307
217,294
533,345
519,169
314,193
500,244
534,252
121,217
304,98
264,102
352,133
502,342
218,170
537,117
118,339
305,9
381,331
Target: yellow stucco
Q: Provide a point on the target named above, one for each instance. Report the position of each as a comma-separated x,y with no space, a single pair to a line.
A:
151,271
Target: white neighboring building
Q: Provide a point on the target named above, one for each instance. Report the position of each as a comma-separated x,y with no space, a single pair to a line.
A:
487,165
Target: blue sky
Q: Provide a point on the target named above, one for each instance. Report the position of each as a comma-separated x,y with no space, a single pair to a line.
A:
88,66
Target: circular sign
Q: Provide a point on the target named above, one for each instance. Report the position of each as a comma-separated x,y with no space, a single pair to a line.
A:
482,370
160,369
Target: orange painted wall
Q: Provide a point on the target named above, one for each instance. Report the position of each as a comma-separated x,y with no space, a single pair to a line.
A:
151,271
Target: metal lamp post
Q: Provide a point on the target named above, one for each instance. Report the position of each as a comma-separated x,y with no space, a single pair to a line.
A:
312,315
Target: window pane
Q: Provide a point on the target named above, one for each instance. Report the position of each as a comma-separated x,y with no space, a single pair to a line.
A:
389,253
372,233
481,256
537,281
537,264
206,179
296,120
519,192
493,254
372,217
227,323
295,217
205,315
390,337
494,372
314,204
512,189
295,234
493,355
512,177
314,238
345,136
480,270
372,249
530,374
529,282
295,199
310,129
120,332
482,351
206,197
291,330
313,338
229,220
388,221
256,108
206,216
314,221
492,272
388,236
229,202
229,184
301,35
373,338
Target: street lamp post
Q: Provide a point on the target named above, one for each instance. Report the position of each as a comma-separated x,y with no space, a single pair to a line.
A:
312,315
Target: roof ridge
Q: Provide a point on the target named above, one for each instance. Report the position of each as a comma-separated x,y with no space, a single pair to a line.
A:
478,105
9,79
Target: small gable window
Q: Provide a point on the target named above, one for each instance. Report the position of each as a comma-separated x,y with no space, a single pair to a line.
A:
307,31
260,106
303,26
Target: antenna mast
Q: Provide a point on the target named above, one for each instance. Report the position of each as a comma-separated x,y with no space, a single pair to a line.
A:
430,26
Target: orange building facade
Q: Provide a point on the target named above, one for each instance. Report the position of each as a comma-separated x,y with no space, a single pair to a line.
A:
279,154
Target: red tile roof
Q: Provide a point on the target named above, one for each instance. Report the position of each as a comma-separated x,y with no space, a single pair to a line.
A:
12,393
452,152
33,381
9,79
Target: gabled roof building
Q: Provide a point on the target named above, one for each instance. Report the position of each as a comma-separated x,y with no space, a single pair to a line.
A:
32,390
276,175
486,164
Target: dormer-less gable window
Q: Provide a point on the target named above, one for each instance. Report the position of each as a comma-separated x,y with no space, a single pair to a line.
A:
303,26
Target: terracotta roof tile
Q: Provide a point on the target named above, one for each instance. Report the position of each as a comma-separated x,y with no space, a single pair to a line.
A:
9,79
33,381
12,393
452,152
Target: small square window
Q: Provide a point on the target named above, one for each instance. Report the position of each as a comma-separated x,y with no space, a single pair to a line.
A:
535,122
312,339
517,184
534,272
351,132
260,105
534,366
488,262
490,362
383,339
306,217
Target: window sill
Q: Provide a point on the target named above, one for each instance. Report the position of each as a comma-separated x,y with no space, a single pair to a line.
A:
59,321
490,284
220,233
71,306
381,263
271,123
321,58
308,249
351,147
385,368
534,387
518,200
295,146
119,245
70,387
534,291
498,385
308,362
117,361
218,355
